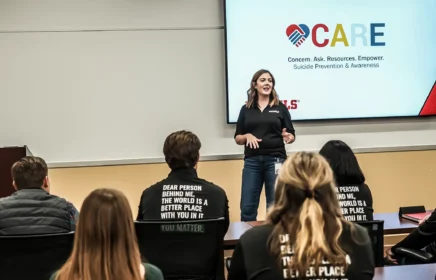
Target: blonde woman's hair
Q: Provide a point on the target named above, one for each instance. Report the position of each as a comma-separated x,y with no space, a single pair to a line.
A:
105,245
306,210
252,93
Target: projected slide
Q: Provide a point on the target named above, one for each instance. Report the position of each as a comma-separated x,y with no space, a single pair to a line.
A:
335,59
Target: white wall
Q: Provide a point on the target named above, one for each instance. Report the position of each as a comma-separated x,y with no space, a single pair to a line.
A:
105,81
78,15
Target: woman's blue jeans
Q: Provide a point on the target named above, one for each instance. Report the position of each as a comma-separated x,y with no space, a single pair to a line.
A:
258,170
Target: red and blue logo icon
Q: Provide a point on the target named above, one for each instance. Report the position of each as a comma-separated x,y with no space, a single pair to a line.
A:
297,34
323,35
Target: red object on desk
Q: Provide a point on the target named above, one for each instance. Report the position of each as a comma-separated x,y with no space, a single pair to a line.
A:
416,217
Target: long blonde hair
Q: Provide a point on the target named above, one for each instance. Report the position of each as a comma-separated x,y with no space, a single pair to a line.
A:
105,245
252,93
306,210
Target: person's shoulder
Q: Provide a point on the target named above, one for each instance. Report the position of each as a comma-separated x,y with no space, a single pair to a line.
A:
60,200
70,205
283,109
245,108
356,233
365,186
158,183
366,190
152,272
6,198
282,106
53,276
156,186
257,233
212,186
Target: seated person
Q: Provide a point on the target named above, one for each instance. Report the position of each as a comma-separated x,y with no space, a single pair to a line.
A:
421,238
354,195
32,209
105,244
182,195
305,233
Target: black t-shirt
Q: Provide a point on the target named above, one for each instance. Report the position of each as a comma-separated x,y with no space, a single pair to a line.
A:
266,125
421,237
184,196
253,260
356,202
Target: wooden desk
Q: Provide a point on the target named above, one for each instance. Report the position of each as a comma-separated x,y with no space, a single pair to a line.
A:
394,224
406,272
236,229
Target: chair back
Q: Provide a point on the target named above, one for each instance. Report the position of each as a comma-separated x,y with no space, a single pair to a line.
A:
375,230
183,249
34,257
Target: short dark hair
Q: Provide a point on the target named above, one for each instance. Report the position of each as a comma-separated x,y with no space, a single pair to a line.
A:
343,163
29,172
182,149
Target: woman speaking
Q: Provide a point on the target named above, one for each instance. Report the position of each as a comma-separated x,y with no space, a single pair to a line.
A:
264,126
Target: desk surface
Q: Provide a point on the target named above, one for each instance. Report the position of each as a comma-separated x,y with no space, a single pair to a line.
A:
393,225
236,229
418,272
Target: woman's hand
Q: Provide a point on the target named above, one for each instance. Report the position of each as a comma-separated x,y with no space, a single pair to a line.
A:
287,137
391,257
252,141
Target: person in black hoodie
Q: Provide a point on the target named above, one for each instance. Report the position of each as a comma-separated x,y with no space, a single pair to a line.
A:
183,195
421,238
305,235
354,195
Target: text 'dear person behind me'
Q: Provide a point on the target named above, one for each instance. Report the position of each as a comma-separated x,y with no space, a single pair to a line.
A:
353,193
305,235
183,195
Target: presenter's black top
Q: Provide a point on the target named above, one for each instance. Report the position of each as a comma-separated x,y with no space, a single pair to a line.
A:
252,258
423,237
184,196
266,125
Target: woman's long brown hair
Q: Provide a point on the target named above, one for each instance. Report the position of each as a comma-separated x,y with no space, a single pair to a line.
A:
253,94
307,212
105,245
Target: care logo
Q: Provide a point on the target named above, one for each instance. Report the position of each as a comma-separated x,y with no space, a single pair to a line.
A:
297,34
345,35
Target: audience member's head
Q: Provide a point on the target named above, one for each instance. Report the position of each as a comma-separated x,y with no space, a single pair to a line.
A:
105,245
182,150
307,211
30,173
343,163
